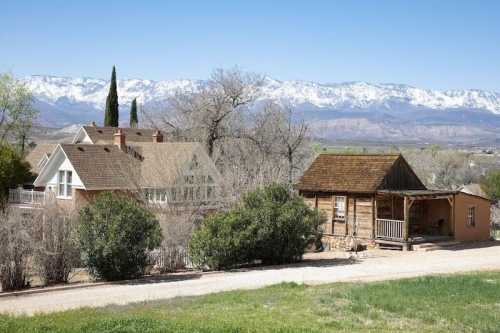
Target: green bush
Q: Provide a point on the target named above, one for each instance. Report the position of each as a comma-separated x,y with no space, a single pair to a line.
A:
490,184
115,234
271,225
13,171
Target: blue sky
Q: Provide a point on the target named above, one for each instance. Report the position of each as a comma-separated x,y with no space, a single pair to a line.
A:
432,44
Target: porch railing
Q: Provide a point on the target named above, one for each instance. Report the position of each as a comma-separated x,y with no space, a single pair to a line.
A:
27,197
390,229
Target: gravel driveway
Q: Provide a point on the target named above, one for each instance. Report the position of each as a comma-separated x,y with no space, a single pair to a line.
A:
319,268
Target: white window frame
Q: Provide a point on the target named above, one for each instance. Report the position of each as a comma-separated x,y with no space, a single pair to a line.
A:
190,190
471,216
67,186
337,208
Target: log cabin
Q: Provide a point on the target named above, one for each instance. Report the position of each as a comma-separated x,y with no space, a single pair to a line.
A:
379,200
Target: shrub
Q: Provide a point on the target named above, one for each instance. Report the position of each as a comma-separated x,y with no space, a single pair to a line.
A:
115,234
490,184
223,240
16,247
13,171
271,225
57,252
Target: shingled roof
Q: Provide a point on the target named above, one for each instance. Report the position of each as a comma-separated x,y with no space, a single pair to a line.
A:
37,154
104,135
347,173
102,166
106,167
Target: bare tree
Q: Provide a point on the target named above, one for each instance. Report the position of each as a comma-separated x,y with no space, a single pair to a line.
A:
277,132
210,114
251,144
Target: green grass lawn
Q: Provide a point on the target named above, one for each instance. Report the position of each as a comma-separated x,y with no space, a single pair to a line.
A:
456,303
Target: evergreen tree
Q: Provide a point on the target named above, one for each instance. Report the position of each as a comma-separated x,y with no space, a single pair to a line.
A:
111,111
134,121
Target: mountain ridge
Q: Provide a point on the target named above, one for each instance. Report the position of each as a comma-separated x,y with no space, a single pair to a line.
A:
356,109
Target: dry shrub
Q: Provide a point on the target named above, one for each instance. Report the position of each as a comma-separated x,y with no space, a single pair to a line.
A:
16,247
57,252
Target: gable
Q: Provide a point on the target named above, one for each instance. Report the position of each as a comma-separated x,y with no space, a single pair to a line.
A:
56,162
38,156
164,164
401,177
82,136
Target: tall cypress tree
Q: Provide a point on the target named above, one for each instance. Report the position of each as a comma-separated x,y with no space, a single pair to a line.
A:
111,111
134,121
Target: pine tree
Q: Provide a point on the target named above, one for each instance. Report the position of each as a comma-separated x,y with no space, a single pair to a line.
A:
111,111
134,121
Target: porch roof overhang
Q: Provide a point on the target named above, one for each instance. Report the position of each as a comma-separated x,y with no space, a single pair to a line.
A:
419,194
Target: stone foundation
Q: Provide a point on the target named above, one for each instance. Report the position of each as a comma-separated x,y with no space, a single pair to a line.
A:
343,243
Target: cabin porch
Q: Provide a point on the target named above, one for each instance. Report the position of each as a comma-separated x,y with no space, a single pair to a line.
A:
404,218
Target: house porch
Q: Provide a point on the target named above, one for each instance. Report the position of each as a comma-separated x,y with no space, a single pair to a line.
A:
403,218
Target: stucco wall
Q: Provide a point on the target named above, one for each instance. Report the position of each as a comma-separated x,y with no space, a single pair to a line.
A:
436,217
481,231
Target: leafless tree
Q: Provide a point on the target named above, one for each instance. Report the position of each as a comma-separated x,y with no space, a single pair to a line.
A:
446,168
278,133
252,144
212,113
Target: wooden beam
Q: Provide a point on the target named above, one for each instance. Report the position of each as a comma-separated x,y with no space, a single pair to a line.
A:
406,219
374,216
332,223
354,220
346,215
452,215
392,207
410,202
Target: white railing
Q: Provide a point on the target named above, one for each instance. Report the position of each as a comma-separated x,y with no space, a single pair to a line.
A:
390,229
27,197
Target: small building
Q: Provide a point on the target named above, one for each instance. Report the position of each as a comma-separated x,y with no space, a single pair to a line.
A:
135,161
380,199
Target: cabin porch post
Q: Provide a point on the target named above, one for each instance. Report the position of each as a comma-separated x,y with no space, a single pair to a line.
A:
406,230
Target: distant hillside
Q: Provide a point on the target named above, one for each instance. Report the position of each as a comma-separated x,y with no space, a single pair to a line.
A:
353,110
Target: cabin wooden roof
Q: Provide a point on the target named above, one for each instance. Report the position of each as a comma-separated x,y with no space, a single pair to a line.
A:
347,173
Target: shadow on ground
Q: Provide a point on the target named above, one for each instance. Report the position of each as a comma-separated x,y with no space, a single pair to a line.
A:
472,245
327,262
163,278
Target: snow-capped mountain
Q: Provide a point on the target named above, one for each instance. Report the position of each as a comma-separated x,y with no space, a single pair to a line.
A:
353,95
356,109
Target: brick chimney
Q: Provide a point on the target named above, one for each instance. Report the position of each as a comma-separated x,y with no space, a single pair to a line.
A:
157,136
119,140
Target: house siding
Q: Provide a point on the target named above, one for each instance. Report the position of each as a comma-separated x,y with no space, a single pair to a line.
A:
481,231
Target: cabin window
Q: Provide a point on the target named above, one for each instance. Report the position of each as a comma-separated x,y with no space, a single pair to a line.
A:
64,182
339,207
471,216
